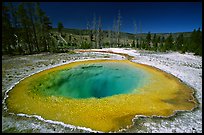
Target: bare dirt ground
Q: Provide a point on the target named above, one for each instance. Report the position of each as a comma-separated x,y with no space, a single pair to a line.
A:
186,67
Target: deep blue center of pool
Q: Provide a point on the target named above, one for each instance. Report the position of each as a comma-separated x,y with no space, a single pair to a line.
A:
97,80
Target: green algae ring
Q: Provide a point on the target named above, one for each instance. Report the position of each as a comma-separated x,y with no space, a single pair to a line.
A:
104,95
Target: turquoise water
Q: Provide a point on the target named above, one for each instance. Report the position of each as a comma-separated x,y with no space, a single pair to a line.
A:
96,80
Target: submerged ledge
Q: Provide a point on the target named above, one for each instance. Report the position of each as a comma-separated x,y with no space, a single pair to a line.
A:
123,120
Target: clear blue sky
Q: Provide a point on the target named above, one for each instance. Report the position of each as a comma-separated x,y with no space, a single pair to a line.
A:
155,17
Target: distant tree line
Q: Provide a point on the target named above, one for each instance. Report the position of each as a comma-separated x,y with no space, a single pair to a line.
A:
180,43
26,29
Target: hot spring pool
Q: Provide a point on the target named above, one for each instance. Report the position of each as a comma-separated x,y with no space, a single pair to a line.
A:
95,80
104,95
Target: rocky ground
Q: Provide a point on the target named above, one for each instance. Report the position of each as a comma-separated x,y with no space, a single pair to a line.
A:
186,67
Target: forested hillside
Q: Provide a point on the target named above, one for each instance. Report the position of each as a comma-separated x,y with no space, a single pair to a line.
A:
26,29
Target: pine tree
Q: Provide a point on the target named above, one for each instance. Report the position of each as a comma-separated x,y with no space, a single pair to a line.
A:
154,42
158,42
60,27
135,33
7,31
47,26
39,24
118,29
25,26
32,18
99,34
196,42
89,32
148,41
137,44
94,43
162,45
199,42
179,42
13,21
114,35
169,42
140,25
110,38
143,44
133,43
